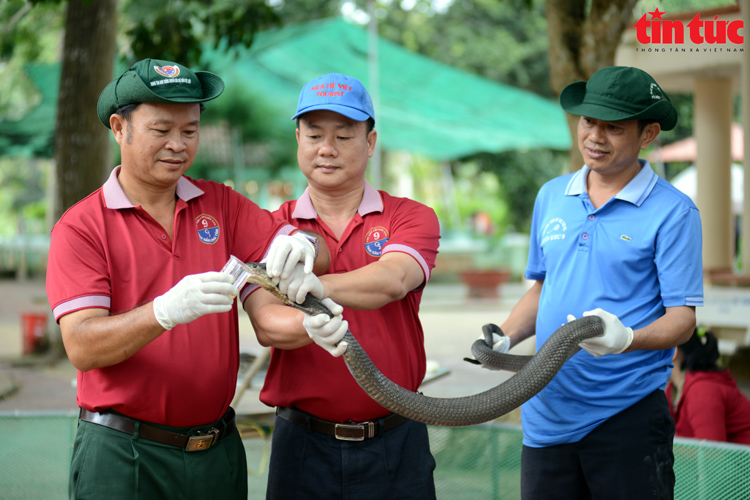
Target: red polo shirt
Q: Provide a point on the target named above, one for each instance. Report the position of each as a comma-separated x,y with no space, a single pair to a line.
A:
309,378
109,254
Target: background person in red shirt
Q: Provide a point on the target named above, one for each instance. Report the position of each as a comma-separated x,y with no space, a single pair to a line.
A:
703,398
382,251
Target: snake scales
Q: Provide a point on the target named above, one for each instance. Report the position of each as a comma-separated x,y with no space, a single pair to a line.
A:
534,372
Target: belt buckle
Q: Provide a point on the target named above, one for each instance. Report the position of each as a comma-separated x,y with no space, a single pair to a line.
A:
202,442
366,430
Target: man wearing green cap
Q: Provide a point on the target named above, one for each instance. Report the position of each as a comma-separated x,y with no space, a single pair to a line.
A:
146,316
616,241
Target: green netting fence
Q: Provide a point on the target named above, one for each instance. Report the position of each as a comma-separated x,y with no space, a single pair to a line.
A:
473,463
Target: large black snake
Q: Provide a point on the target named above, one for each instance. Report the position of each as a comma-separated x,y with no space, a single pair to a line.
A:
534,372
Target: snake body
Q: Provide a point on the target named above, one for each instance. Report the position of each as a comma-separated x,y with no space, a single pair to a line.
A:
534,372
485,356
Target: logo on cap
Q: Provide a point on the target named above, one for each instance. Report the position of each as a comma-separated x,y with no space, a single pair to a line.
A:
168,71
208,229
336,92
329,89
657,94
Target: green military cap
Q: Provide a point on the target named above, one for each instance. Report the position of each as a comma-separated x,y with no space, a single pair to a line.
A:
158,82
620,93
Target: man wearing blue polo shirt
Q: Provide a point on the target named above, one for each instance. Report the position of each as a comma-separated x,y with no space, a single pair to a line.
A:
616,241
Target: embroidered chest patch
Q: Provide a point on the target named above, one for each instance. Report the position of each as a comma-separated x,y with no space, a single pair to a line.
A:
376,238
554,230
208,229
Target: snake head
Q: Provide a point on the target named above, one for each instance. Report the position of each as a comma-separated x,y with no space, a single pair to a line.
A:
257,275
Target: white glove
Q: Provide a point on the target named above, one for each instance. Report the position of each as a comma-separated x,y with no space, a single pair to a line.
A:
501,344
327,332
286,251
299,284
616,336
332,306
194,296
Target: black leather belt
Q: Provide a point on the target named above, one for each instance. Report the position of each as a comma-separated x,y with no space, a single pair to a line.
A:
189,443
353,431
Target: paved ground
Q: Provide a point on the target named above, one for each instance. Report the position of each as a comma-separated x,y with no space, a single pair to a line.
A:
451,322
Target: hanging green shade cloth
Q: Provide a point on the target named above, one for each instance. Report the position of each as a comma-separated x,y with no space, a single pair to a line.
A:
33,134
425,107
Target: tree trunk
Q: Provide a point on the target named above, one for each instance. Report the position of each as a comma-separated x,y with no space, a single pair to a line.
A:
581,43
81,142
82,154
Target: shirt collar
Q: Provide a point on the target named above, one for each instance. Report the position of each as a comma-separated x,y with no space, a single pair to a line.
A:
636,191
371,202
115,198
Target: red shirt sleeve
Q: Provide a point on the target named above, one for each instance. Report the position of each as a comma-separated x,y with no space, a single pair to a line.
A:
415,230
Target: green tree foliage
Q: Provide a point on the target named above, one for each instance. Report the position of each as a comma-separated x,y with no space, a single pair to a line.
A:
175,30
21,196
26,35
521,175
248,117
301,11
674,6
23,180
170,30
502,41
28,30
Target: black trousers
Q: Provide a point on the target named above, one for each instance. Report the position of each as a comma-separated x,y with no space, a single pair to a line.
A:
628,457
306,465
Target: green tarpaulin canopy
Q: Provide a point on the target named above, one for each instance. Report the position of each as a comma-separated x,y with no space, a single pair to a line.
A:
426,107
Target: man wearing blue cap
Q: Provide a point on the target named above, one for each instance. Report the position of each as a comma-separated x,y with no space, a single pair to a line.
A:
616,241
331,440
146,317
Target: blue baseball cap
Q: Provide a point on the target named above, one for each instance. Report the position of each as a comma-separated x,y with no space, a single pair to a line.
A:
336,92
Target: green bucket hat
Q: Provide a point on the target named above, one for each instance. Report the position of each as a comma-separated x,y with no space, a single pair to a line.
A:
620,93
158,82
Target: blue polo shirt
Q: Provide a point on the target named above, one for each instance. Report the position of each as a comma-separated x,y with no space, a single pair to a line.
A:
634,256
